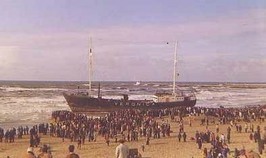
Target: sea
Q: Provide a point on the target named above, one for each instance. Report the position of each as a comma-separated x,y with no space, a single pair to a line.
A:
32,102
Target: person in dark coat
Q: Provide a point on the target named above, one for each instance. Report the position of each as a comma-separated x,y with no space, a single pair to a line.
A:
199,142
179,136
184,136
71,154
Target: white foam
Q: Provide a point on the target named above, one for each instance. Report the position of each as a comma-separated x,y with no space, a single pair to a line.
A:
230,97
37,104
14,89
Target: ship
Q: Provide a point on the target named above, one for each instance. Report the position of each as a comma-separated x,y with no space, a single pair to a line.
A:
87,103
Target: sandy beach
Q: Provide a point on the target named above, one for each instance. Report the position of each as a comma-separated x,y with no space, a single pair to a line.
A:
169,79
165,147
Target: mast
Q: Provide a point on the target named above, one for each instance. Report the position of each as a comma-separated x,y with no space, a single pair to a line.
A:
90,65
174,73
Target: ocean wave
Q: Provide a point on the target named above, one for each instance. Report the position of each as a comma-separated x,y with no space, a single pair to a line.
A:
246,86
19,89
21,104
156,85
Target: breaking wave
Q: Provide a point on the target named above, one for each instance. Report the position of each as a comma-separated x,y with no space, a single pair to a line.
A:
21,103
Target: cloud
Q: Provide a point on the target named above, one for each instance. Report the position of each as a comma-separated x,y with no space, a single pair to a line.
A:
208,50
7,56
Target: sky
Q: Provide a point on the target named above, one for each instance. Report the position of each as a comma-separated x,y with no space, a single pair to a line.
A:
133,40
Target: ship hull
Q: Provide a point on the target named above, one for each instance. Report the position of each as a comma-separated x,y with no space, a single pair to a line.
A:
83,103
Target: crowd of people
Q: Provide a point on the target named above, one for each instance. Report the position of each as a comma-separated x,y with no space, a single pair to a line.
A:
126,124
231,116
130,125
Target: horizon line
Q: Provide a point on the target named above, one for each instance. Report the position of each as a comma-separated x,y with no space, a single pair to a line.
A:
254,82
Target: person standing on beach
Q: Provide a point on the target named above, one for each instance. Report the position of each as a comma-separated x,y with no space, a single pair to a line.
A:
217,128
79,143
45,153
1,135
147,140
71,154
204,153
107,139
199,142
228,134
184,137
179,136
121,150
